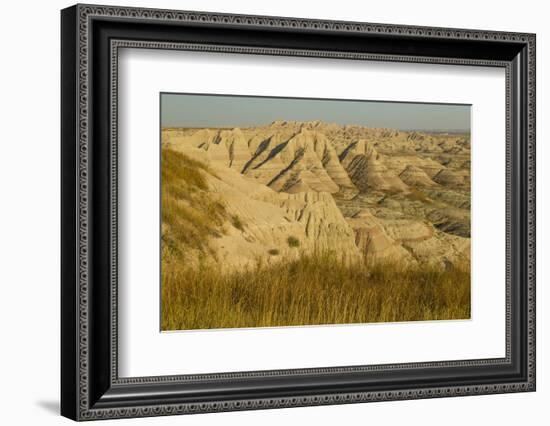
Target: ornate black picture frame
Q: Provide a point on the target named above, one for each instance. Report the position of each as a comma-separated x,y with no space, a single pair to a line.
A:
91,387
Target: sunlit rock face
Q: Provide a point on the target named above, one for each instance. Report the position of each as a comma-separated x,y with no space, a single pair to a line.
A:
365,193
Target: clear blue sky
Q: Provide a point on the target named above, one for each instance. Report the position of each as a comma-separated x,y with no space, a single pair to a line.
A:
188,110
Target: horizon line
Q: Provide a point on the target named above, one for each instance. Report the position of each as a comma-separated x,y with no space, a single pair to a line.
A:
267,124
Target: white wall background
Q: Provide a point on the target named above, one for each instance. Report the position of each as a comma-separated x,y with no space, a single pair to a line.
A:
29,211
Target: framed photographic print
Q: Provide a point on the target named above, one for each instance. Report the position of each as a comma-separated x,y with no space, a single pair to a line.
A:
263,212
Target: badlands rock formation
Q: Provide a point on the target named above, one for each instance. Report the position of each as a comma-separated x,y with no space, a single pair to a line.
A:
364,193
262,223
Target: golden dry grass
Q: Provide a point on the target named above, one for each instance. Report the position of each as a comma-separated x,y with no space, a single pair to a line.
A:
309,291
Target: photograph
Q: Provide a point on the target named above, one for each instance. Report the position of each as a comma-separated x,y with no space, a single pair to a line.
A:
281,212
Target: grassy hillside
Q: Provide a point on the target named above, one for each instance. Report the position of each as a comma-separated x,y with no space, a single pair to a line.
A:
190,216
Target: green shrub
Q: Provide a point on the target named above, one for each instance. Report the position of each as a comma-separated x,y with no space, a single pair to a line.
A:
293,241
273,252
237,223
